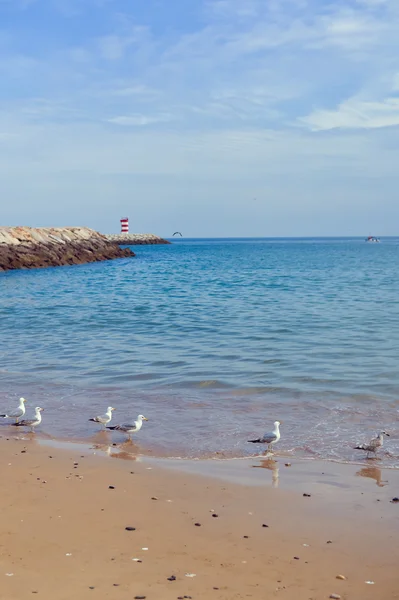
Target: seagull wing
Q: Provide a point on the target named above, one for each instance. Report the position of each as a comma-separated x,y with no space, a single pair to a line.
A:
127,427
16,412
269,437
103,419
25,423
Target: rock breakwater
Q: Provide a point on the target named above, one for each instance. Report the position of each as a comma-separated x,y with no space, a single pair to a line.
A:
135,239
29,248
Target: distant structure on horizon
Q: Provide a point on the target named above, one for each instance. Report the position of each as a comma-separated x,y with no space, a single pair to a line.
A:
125,225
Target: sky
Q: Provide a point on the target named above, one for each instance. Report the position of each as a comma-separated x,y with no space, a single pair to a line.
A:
210,117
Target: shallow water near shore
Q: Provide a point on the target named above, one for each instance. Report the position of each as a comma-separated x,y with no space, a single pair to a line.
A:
213,340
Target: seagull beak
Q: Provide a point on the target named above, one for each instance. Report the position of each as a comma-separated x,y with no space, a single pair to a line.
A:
144,419
387,434
112,409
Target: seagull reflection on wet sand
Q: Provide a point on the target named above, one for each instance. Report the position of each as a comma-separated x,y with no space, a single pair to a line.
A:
124,451
271,465
373,473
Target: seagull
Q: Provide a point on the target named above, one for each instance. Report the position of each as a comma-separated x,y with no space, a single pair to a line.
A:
374,444
130,428
269,438
32,423
104,419
16,413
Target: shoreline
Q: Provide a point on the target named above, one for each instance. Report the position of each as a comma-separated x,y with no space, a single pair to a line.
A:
108,442
64,514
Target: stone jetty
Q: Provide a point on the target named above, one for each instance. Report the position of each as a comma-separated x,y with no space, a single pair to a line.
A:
135,239
29,248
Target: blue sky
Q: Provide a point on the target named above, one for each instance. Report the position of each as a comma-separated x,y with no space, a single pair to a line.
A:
212,117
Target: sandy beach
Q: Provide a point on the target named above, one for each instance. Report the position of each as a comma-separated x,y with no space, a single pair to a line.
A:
77,524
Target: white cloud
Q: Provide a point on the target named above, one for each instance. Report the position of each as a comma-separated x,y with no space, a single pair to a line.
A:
139,120
356,114
112,47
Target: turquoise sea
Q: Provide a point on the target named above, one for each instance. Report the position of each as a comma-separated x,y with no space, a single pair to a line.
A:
213,340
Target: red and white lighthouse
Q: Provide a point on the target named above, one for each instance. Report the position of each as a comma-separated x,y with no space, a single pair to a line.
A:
125,225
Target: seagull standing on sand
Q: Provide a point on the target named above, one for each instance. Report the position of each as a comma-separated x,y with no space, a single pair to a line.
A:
374,444
32,423
17,413
104,419
130,428
269,438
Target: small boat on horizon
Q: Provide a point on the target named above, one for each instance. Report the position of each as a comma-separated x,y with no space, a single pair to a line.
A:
371,238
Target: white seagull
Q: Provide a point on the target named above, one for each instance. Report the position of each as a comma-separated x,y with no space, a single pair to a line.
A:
130,428
104,419
32,423
373,444
269,438
17,413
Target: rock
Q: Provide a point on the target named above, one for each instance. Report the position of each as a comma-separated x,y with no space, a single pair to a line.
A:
197,524
130,529
111,487
29,248
264,525
335,596
154,498
215,515
140,597
296,557
246,537
287,464
395,500
135,239
342,577
172,578
307,495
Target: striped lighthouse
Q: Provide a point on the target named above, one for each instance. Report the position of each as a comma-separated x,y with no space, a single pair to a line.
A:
125,225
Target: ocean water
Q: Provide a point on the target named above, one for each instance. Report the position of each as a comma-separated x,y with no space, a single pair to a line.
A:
213,340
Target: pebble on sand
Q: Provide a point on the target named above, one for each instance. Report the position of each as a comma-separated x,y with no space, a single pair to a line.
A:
172,578
140,597
111,487
264,525
395,500
341,577
130,528
335,596
307,495
197,524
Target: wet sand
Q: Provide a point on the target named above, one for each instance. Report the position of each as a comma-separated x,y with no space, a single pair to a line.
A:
63,528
